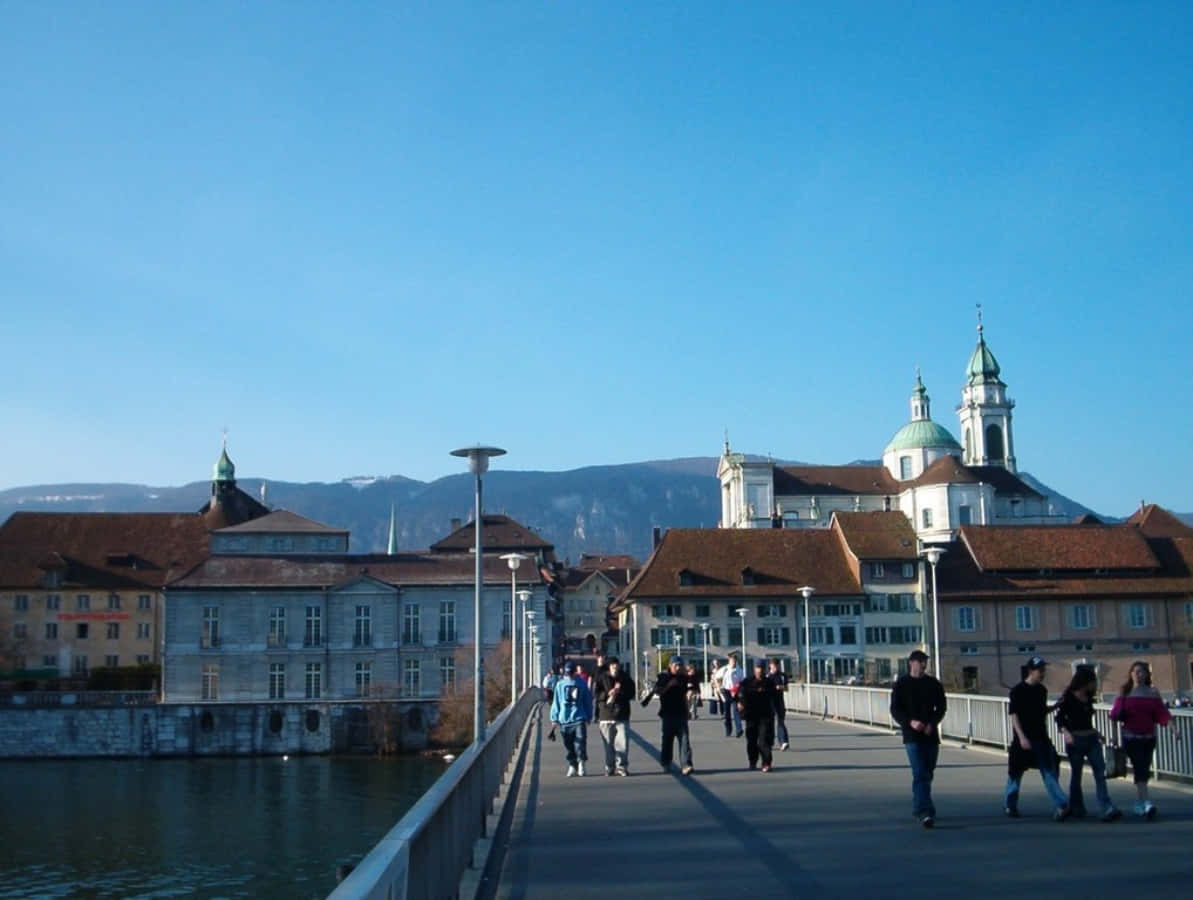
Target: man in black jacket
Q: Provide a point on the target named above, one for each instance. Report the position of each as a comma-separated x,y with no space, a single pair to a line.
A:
614,691
756,700
672,691
918,705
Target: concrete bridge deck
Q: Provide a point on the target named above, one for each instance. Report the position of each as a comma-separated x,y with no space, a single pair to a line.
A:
832,820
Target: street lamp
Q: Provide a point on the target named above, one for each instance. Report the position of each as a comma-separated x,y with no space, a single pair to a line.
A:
645,666
514,560
704,628
534,666
745,664
806,592
659,657
933,554
525,596
478,464
678,643
527,665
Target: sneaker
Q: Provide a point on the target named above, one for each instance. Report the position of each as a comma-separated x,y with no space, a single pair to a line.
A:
927,821
1012,812
687,770
608,771
739,734
571,771
623,772
580,770
766,768
753,766
1149,809
784,745
1062,813
1111,814
1140,808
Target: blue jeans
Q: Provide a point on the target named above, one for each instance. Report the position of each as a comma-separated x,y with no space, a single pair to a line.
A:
781,724
1044,760
575,741
923,766
729,702
1087,747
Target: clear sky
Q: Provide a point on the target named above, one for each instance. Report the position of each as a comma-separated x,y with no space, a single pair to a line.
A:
360,235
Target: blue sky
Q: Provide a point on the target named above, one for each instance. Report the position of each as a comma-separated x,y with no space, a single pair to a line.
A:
361,235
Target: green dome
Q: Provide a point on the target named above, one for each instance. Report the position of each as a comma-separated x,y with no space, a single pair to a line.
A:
983,367
224,470
921,434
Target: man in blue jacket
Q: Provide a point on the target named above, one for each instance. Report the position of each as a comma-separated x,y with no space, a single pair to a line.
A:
571,710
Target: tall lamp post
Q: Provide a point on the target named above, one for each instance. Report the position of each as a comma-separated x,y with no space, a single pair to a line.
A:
478,464
745,663
658,649
678,643
645,666
933,554
704,628
806,592
534,664
514,560
524,623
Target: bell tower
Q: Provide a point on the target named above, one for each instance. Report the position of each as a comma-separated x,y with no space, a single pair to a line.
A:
985,411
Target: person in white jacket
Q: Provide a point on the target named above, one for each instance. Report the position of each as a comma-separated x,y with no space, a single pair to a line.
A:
731,676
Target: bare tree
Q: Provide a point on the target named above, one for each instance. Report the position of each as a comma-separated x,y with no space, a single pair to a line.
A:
385,719
454,728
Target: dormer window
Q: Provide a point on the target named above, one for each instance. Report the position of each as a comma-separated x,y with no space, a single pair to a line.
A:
747,576
685,578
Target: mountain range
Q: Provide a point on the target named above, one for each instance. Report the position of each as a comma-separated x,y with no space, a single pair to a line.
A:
597,509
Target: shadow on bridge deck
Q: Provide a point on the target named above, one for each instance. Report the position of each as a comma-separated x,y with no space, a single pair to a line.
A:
832,820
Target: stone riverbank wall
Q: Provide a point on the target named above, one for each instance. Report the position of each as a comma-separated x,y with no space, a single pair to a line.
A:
208,729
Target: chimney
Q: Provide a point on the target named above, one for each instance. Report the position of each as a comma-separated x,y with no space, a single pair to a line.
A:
456,523
656,537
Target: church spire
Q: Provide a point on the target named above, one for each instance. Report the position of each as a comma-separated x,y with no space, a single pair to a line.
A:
986,410
920,400
393,530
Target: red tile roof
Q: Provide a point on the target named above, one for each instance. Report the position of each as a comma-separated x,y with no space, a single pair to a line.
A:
608,561
498,533
1057,547
102,550
780,561
1156,521
877,535
282,521
826,480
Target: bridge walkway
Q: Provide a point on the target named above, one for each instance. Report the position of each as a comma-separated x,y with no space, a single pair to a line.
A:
832,820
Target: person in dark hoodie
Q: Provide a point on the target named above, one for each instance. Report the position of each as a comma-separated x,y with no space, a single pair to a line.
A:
614,691
1030,744
672,690
756,700
918,705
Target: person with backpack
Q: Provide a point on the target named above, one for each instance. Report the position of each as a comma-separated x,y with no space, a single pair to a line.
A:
614,691
1075,719
1139,708
571,709
1030,744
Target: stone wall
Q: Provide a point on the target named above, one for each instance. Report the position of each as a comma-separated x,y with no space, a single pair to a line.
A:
208,729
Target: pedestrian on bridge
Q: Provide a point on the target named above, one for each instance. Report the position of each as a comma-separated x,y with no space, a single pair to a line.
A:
918,704
1075,719
729,684
614,691
756,700
672,690
1031,746
1140,709
571,709
779,677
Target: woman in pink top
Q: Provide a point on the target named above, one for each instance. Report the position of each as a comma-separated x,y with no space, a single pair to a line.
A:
1140,709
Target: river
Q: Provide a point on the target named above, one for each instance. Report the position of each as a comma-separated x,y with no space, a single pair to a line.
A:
153,828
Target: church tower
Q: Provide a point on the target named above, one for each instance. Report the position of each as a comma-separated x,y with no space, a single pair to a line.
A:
985,411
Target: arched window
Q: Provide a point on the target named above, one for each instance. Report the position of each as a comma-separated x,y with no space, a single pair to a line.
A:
994,443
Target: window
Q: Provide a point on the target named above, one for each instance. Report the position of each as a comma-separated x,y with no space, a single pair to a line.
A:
774,637
663,610
364,678
49,661
908,570
313,632
967,619
142,631
823,634
505,617
81,630
841,609
705,611
1138,615
964,514
19,630
277,681
411,630
1025,618
906,634
1083,647
143,601
1081,616
53,601
447,622
447,673
1141,645
362,634
277,626
20,603
903,603
51,631
1026,648
411,677
848,634
83,601
876,603
113,601
969,649
142,659
210,687
112,661
876,634
113,631
877,570
210,636
79,666
926,517
772,611
280,544
314,681
734,636
904,468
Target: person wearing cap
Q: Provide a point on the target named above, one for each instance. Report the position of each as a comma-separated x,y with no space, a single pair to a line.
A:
756,701
918,704
1031,746
672,690
571,709
614,691
730,683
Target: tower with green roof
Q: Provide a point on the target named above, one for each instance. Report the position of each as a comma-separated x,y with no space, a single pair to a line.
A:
920,442
985,411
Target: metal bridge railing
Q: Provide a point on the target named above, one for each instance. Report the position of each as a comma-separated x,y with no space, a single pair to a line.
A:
980,719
